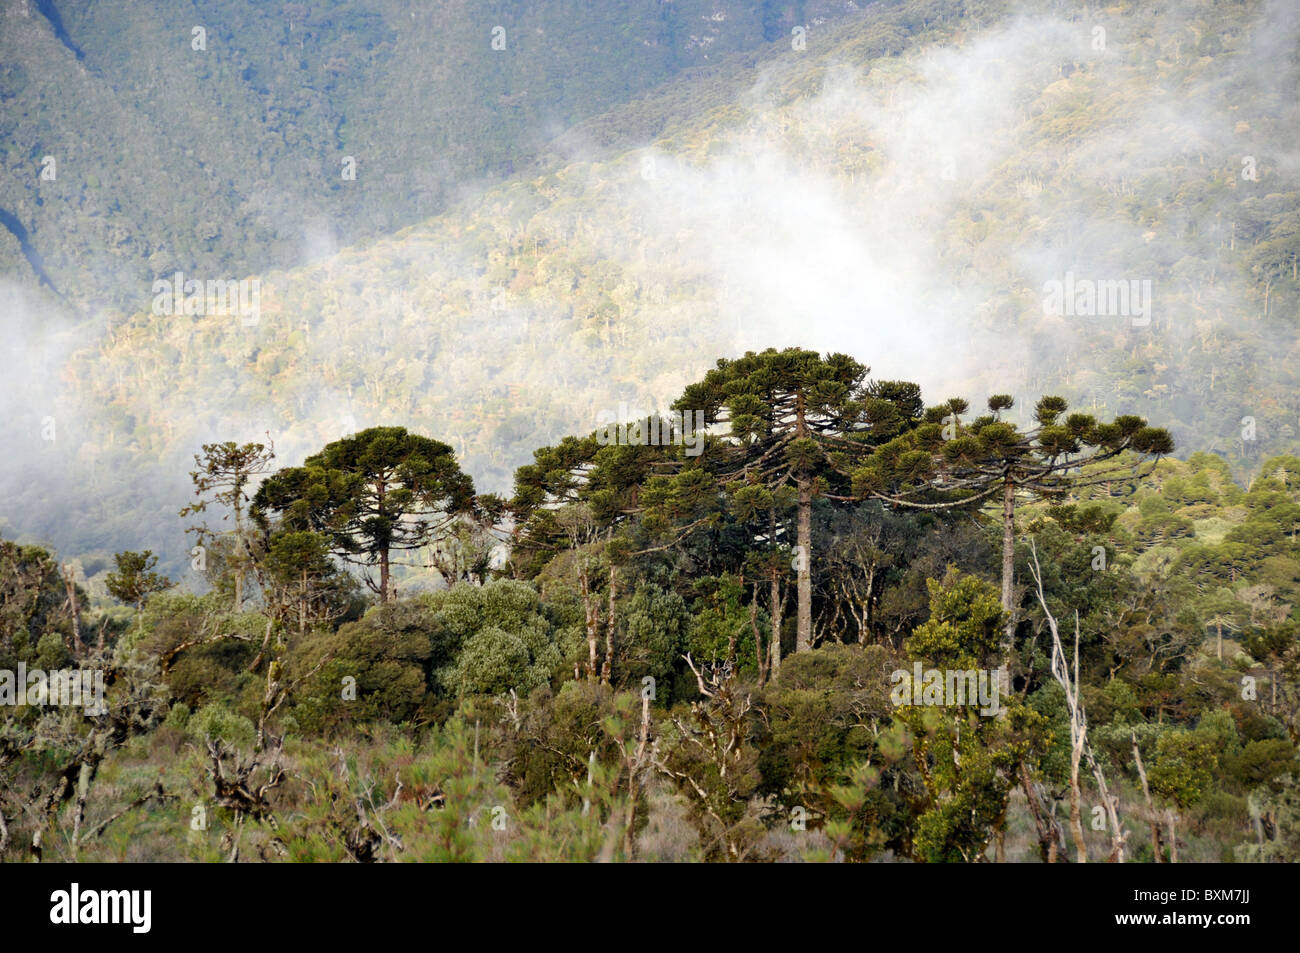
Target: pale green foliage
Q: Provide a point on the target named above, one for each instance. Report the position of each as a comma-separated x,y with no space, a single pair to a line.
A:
1184,766
502,641
964,623
218,723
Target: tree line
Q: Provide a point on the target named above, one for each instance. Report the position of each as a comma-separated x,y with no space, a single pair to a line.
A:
635,623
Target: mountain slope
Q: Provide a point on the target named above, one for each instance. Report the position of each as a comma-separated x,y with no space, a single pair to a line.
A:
222,152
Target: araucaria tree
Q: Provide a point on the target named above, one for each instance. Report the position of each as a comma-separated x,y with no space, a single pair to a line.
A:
373,493
945,463
799,423
224,473
135,580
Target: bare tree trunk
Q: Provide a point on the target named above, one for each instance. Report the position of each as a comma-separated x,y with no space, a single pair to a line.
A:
262,652
79,813
591,773
638,762
803,636
803,629
778,617
629,823
1008,562
1076,818
1048,840
776,604
1152,818
302,605
240,550
607,667
760,652
1068,678
74,611
1118,836
592,618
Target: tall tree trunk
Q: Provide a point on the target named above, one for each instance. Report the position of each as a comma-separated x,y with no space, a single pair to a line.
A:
760,650
74,611
1076,816
237,563
302,605
607,667
1067,677
1047,839
776,605
637,763
592,614
778,610
1118,835
381,495
1152,819
803,636
803,629
1008,563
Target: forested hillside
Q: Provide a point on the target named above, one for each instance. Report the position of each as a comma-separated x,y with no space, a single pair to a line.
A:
222,153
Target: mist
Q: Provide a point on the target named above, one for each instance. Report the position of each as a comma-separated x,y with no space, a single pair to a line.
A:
910,214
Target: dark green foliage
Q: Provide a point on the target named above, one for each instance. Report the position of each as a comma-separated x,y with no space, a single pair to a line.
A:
379,491
135,580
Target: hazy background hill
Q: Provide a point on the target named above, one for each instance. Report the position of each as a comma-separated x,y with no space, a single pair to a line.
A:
228,159
901,188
